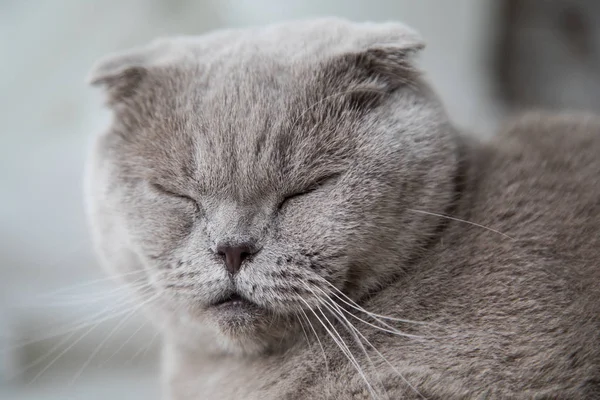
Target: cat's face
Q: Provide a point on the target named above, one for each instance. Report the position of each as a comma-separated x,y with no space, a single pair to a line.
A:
245,183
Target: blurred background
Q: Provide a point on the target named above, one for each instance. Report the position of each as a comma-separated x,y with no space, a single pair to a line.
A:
486,58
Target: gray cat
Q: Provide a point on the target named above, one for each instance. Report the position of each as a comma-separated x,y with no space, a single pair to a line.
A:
297,214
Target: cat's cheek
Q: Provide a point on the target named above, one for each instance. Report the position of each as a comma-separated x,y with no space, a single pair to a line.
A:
164,228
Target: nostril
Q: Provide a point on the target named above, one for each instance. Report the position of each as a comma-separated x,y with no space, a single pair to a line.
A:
245,252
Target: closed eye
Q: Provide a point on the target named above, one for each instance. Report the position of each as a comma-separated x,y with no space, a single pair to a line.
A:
311,188
160,188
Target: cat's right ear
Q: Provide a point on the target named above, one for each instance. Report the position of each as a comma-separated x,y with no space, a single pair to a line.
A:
121,74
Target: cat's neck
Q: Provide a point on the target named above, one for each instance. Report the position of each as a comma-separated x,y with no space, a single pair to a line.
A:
436,222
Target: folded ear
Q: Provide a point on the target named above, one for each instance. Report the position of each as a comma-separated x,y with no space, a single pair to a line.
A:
392,35
371,61
121,73
382,54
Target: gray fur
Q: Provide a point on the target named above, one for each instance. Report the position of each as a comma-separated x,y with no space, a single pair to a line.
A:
211,133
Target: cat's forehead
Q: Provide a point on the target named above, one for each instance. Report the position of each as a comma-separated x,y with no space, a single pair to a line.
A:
257,130
247,132
254,104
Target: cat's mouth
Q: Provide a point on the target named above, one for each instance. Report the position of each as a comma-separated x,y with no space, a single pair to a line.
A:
233,301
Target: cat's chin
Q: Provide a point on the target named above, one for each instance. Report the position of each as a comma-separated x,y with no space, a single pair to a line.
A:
235,316
245,328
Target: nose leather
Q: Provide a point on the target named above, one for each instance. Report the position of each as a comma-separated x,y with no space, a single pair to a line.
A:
234,255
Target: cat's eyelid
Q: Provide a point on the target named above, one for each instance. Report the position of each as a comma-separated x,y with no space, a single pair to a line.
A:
311,188
319,183
326,179
160,188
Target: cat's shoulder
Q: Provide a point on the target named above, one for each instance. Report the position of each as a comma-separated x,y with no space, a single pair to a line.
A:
553,131
549,144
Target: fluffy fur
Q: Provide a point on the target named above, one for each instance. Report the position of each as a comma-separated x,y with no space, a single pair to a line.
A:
319,143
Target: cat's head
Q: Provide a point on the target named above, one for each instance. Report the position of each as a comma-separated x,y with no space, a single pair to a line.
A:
248,173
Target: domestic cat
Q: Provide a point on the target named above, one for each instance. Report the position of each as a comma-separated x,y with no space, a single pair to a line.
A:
301,220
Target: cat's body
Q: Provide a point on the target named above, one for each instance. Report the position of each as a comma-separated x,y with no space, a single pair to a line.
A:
493,247
518,319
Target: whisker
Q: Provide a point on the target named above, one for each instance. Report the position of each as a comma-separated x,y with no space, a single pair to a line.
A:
461,220
81,299
351,303
142,351
318,340
45,356
89,283
380,355
61,354
349,354
106,314
344,322
342,345
303,330
107,338
63,331
125,343
388,328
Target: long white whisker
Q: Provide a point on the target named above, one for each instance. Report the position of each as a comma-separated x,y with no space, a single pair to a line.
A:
350,355
303,330
461,220
107,338
122,346
80,300
318,340
387,328
351,303
65,330
342,345
44,357
104,315
142,351
335,311
89,283
64,351
383,358
102,343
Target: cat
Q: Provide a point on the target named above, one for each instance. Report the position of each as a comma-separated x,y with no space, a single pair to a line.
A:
295,211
